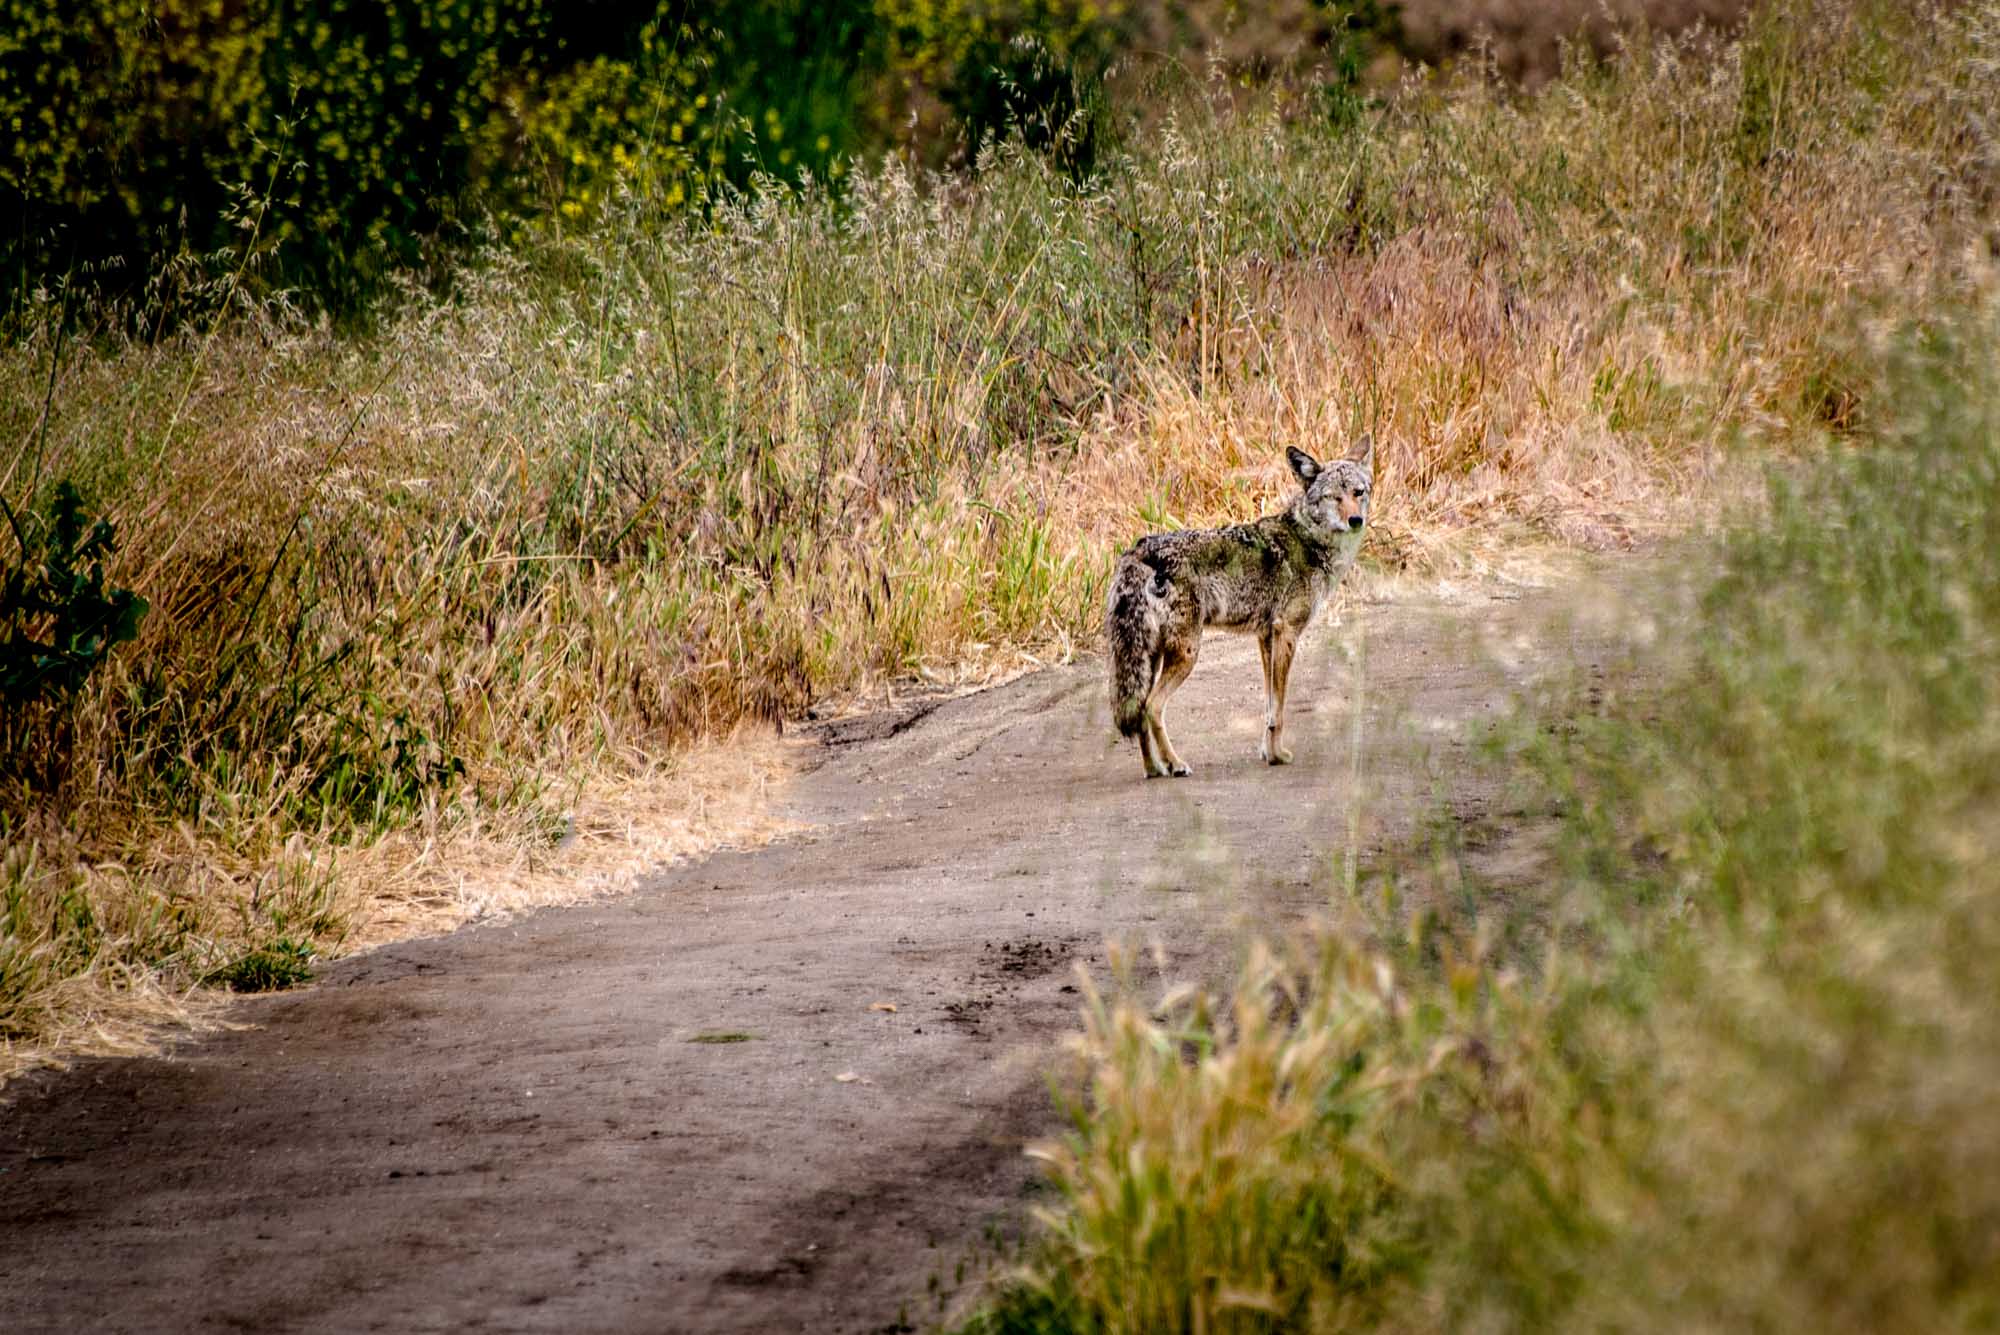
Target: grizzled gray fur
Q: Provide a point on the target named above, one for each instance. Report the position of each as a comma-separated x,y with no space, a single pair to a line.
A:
1266,579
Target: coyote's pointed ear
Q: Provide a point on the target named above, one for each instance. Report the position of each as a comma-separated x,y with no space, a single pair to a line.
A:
1362,450
1303,464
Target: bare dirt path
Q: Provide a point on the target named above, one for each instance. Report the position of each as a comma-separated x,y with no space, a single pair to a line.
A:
531,1127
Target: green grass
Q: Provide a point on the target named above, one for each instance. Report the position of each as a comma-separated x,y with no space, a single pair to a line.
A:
1752,1086
282,964
724,1036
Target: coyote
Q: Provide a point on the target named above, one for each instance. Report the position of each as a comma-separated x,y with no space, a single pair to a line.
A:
1265,578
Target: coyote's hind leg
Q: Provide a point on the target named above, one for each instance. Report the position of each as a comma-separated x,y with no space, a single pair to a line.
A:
1149,746
1149,752
1174,670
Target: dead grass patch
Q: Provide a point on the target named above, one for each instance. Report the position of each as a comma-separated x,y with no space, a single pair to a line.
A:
614,829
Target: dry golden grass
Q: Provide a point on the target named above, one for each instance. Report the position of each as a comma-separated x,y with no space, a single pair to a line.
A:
615,828
619,828
1524,40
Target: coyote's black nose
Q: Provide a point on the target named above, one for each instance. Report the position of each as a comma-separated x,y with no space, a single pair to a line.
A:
1354,522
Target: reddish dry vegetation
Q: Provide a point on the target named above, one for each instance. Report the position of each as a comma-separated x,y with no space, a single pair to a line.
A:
1525,38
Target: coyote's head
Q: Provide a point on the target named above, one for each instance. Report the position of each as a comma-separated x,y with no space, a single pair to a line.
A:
1335,500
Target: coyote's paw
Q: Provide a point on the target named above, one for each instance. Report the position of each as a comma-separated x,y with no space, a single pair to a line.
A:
1274,756
1180,771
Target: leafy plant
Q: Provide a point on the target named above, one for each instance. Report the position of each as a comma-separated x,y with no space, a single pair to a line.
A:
283,963
1356,30
59,618
1022,88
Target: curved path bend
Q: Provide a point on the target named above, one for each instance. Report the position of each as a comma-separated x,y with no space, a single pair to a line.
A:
520,1127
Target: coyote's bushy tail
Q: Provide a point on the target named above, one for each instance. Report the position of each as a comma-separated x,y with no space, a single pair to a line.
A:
1133,623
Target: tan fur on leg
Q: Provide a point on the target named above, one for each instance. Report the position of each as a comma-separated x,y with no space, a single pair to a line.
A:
1149,748
1277,672
1174,670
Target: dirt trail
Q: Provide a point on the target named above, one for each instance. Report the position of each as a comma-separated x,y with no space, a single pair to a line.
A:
520,1127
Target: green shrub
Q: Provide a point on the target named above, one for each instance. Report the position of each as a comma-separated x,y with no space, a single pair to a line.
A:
58,617
153,146
1356,29
1027,69
282,964
328,139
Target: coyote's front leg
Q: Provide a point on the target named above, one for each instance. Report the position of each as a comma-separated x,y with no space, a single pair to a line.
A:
1275,647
